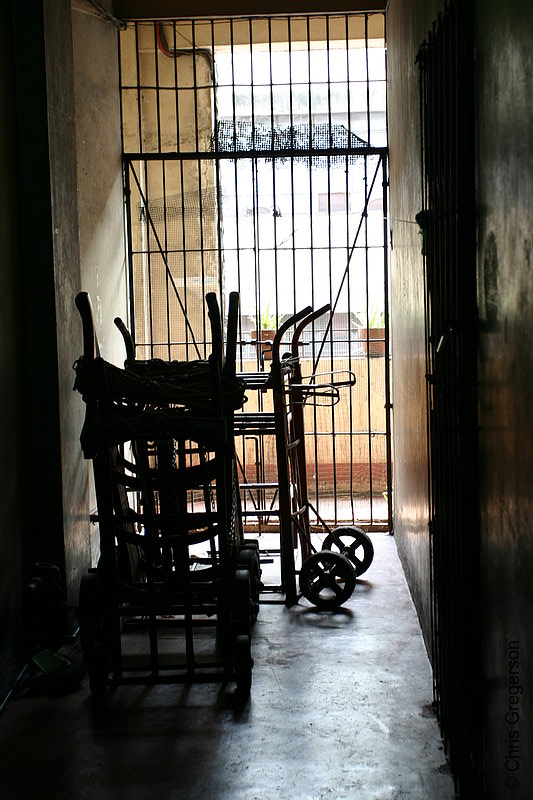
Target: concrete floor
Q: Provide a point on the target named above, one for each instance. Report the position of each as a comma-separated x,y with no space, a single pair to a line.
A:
340,708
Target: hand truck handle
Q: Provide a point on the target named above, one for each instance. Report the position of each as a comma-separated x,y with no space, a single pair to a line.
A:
90,342
304,323
128,339
284,327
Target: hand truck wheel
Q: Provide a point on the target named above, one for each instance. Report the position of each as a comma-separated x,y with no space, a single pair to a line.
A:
353,543
327,579
248,558
93,634
98,668
90,613
241,609
242,664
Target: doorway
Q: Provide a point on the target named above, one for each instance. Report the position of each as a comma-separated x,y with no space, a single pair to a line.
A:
255,160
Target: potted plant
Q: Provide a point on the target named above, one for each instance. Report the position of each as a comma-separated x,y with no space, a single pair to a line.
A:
269,326
373,336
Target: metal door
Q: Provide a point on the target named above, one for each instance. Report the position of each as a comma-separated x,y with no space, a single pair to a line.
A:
255,160
447,222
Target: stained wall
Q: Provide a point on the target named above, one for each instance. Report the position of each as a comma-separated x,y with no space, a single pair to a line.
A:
100,200
407,26
99,176
49,252
504,123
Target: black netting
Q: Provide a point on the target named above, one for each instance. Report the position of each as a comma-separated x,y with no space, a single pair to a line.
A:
248,137
174,206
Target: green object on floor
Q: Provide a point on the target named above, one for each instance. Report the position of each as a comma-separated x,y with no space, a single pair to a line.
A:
49,662
54,672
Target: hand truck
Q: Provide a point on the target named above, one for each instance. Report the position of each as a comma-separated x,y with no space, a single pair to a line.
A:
157,433
326,577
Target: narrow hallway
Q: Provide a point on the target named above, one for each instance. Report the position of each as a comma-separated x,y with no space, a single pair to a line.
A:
340,708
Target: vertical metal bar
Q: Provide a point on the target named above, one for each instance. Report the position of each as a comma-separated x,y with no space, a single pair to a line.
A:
183,232
138,74
432,134
367,82
328,73
370,422
330,263
349,297
350,390
236,181
312,250
368,383
444,281
176,94
126,166
148,260
237,211
145,256
255,200
157,88
199,169
388,405
121,90
218,187
422,61
143,178
386,72
273,139
163,184
179,166
348,82
426,233
293,209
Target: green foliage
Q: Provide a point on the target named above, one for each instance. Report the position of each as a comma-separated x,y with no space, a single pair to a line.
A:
267,320
376,318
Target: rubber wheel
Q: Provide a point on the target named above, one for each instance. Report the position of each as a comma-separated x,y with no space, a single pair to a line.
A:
89,613
98,668
327,579
356,546
241,609
242,664
249,559
92,634
250,544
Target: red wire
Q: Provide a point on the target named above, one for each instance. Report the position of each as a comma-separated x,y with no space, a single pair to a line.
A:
164,49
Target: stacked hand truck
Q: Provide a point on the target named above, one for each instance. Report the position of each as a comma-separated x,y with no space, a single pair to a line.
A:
327,575
160,436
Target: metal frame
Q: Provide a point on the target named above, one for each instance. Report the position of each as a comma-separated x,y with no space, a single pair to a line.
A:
173,163
447,222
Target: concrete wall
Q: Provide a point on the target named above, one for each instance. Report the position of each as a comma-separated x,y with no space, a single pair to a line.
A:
44,223
505,287
99,176
42,489
44,514
65,271
407,26
100,197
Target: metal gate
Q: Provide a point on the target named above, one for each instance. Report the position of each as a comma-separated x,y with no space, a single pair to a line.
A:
255,160
448,227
